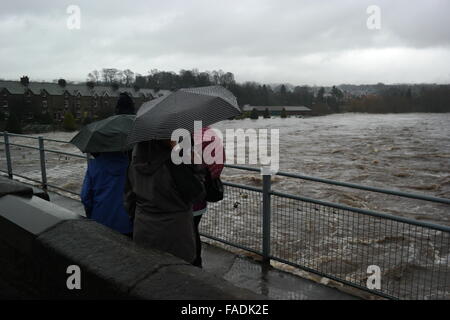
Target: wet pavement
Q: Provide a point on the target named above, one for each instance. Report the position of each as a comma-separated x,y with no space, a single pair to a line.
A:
244,272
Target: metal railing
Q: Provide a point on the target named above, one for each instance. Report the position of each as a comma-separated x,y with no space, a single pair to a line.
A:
331,240
43,182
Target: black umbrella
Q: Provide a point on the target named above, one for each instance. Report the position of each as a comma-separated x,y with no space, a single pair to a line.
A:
157,119
108,135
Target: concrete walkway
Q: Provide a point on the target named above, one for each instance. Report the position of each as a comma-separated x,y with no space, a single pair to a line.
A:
245,272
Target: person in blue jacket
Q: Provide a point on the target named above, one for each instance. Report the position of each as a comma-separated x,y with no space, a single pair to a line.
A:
102,192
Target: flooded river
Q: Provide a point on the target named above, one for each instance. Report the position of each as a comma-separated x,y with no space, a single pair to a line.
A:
406,152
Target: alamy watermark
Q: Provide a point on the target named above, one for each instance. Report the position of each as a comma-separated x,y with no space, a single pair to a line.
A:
235,140
374,19
374,280
74,279
73,21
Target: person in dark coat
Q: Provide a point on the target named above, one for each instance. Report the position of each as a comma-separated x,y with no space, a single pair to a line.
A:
159,196
102,191
125,104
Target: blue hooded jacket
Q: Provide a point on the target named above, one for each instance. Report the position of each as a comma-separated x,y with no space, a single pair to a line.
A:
103,191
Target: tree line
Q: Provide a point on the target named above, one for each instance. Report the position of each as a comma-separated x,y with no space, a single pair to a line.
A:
251,93
401,99
385,99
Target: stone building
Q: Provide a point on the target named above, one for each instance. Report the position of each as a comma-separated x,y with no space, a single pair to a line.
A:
277,110
32,100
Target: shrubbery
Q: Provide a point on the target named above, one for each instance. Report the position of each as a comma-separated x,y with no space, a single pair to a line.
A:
254,114
69,122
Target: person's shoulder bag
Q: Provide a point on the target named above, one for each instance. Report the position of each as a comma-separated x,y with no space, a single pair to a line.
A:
214,188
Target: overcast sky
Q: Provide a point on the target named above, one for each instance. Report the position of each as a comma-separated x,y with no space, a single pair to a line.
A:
301,42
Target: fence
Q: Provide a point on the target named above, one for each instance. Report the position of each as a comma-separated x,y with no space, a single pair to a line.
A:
332,240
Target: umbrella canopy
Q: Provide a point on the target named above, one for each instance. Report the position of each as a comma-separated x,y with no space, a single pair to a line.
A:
108,135
157,119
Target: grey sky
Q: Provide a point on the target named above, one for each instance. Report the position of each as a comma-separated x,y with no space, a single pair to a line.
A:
302,42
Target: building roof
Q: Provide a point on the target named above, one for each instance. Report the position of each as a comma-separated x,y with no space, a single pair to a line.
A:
277,108
15,87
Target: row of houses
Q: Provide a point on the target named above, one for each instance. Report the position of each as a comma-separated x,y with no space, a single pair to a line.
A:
30,100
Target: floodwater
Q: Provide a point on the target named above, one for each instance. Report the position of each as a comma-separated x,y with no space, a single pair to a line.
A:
406,152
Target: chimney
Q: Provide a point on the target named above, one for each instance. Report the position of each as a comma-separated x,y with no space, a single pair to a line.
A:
25,81
62,83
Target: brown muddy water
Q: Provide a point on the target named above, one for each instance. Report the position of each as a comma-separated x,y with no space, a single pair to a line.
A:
407,152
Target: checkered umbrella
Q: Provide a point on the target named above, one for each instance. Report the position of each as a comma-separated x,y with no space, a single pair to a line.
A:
157,119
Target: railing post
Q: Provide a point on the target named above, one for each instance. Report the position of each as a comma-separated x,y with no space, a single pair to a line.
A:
266,217
43,166
8,155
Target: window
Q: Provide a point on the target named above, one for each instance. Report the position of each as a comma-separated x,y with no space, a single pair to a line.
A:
4,108
58,116
78,108
44,106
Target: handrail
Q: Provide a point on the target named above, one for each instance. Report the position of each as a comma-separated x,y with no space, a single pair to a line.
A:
19,135
23,146
349,185
66,153
55,140
241,186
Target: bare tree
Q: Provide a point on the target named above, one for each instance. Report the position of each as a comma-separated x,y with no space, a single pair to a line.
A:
119,77
128,77
109,75
94,77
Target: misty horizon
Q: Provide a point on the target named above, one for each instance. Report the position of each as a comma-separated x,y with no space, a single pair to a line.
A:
273,84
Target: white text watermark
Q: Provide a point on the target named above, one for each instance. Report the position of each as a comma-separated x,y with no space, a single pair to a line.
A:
256,152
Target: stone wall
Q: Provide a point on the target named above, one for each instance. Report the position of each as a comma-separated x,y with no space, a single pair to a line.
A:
40,240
